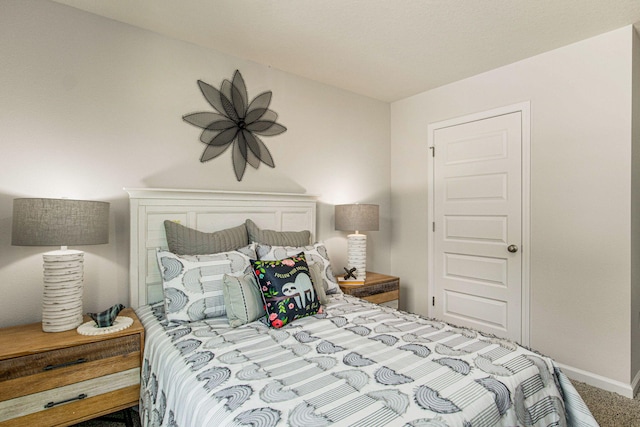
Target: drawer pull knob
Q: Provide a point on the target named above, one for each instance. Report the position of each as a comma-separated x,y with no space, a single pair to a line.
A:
52,404
64,365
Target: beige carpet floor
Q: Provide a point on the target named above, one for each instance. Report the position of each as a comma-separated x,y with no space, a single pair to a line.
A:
610,409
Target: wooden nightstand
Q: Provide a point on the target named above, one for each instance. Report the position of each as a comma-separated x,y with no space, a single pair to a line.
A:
378,288
62,378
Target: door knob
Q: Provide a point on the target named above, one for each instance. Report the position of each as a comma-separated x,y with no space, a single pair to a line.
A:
512,248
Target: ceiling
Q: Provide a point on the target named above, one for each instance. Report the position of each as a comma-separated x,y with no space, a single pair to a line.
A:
383,49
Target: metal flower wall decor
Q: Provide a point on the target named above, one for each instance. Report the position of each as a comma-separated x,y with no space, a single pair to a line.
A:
236,123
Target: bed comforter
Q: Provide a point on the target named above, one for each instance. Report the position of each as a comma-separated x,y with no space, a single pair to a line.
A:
357,364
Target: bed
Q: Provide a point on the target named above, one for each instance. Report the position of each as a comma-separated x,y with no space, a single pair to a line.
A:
347,363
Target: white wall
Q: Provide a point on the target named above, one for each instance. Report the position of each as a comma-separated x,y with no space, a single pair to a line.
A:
89,106
635,212
580,194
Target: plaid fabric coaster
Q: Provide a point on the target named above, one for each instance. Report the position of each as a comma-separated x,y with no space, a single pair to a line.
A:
106,318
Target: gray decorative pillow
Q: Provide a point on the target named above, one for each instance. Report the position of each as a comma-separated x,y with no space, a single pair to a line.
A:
242,299
279,238
318,283
314,253
188,241
192,284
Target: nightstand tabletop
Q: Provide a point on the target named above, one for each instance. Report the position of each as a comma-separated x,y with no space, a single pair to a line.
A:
16,341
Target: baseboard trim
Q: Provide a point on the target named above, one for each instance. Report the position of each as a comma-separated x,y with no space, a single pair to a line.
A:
626,390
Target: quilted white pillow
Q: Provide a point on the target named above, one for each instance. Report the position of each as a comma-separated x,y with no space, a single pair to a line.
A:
193,284
314,253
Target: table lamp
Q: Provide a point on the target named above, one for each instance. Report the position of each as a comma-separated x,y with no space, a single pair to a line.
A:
60,222
357,217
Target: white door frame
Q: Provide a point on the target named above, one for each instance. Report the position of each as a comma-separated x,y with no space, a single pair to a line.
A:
525,109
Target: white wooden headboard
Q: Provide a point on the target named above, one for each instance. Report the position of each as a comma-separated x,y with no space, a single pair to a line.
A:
206,211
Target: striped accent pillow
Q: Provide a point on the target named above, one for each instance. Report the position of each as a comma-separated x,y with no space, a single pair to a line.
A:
278,238
242,299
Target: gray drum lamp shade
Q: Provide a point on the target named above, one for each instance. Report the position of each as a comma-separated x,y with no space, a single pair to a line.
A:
357,217
59,222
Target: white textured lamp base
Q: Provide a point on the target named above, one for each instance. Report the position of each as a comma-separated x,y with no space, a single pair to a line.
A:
62,297
357,254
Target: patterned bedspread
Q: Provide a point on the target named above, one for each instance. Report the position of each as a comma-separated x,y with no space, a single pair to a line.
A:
358,364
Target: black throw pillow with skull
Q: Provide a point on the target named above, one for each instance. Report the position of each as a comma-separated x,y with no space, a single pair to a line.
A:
287,289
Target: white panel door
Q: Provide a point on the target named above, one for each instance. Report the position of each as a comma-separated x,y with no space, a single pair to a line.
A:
478,224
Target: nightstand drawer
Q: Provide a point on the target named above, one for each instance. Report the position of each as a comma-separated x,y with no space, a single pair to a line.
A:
67,357
42,371
371,291
381,298
80,410
45,400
